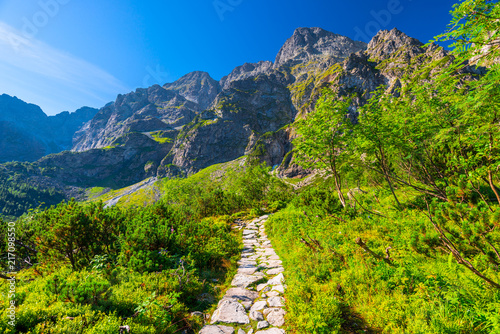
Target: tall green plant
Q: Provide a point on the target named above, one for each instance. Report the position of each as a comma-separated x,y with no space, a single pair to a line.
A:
323,139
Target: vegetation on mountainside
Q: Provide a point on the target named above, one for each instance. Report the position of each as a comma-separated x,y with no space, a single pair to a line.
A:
18,195
84,268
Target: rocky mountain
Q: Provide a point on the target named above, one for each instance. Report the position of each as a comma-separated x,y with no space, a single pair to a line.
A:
196,121
130,159
241,114
144,111
245,71
27,133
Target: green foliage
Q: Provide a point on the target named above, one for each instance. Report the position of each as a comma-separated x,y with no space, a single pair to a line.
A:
241,188
95,269
17,195
333,285
162,137
474,29
77,232
323,139
433,150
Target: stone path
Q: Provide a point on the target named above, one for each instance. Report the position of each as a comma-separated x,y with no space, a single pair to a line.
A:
254,304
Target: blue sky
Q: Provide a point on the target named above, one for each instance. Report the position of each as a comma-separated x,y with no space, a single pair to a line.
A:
65,54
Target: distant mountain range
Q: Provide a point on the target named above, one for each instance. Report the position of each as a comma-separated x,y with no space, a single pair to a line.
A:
28,134
197,121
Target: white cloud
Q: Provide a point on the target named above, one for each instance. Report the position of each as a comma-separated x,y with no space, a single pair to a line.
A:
43,75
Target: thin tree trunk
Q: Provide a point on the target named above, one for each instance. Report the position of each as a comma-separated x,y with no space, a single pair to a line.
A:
492,185
339,189
386,174
338,184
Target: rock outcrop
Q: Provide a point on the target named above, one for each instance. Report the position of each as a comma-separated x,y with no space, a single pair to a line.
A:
130,159
245,71
145,111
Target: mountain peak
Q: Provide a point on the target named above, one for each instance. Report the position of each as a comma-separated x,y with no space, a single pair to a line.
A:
386,42
197,86
307,44
245,71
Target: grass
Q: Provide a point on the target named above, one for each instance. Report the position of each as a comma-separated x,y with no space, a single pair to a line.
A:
335,286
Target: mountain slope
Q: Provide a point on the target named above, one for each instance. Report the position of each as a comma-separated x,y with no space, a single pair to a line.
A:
196,122
29,134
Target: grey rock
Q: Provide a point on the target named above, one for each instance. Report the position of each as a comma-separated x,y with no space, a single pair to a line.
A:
385,43
247,271
276,302
275,316
242,113
308,44
245,71
279,288
197,314
230,311
145,111
277,280
262,324
242,281
256,315
272,293
275,271
258,306
261,287
247,264
197,87
241,294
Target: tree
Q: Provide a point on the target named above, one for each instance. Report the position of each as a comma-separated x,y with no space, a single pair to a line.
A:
468,222
324,137
77,232
475,32
375,138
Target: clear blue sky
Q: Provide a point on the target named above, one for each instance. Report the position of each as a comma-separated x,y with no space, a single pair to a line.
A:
64,54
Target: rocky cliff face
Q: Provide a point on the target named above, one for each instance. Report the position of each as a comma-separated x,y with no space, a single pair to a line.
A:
241,113
256,102
245,71
27,133
248,111
148,110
